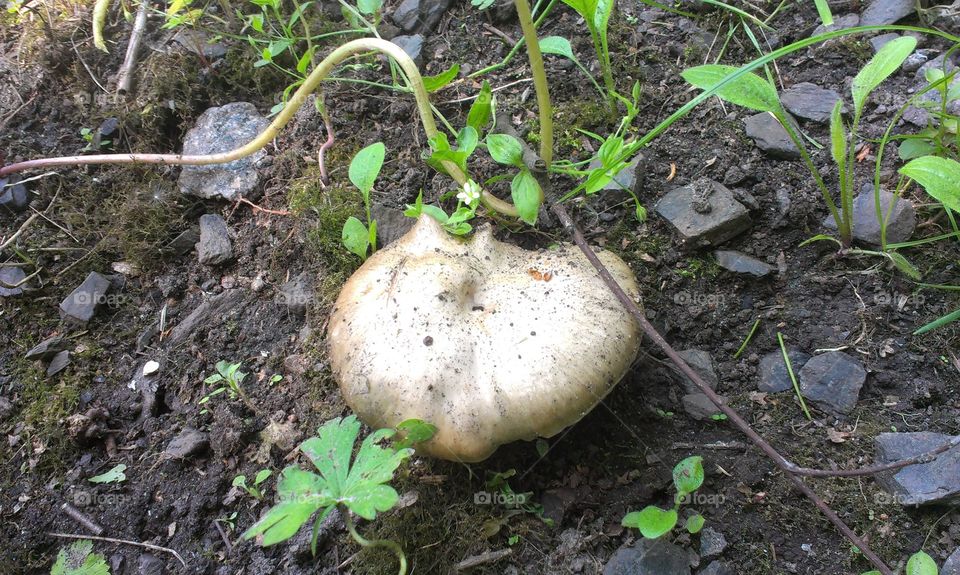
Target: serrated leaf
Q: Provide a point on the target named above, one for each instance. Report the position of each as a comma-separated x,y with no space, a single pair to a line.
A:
365,167
434,83
482,109
356,237
688,474
749,90
940,177
884,62
695,523
652,522
115,475
505,149
78,559
921,564
526,195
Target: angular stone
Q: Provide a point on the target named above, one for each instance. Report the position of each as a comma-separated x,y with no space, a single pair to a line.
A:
46,349
148,564
952,565
699,406
13,195
556,502
12,281
412,45
296,294
725,219
937,482
810,101
391,224
189,442
839,23
420,15
882,40
220,130
900,223
214,247
774,376
82,303
712,543
649,557
770,136
718,568
832,380
881,12
742,263
702,363
59,363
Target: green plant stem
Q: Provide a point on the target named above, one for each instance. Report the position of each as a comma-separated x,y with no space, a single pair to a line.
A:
544,108
309,85
516,47
364,542
793,378
746,341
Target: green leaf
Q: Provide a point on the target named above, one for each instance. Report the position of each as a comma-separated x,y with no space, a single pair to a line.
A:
838,136
904,265
749,90
884,63
301,494
304,62
505,149
355,237
939,322
526,195
278,47
652,522
414,431
115,475
823,11
365,167
695,523
256,22
481,4
940,177
481,111
77,559
558,46
467,140
369,7
820,238
434,83
262,476
585,8
688,474
921,564
915,148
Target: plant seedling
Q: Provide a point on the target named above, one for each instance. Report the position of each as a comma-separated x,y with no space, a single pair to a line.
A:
654,522
596,14
254,489
230,377
115,475
919,564
88,136
79,559
364,169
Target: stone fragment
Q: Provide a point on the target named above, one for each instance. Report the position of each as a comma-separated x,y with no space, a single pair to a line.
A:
832,380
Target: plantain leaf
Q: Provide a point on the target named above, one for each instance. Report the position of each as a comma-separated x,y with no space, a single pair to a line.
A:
940,177
434,83
879,68
750,91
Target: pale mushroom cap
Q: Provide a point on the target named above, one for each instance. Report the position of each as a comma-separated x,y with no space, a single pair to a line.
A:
489,342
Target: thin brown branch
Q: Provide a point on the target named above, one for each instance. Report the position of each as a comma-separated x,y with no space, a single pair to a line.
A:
122,542
264,210
126,72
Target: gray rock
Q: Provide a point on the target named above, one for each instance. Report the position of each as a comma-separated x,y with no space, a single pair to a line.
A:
742,263
221,130
900,223
952,565
184,242
13,195
701,363
296,294
699,406
937,482
59,363
210,310
109,126
649,557
149,564
629,177
916,60
839,23
712,543
46,349
214,247
882,40
188,442
832,380
770,136
810,101
881,12
556,502
724,219
82,303
391,224
12,281
718,568
420,15
774,377
944,17
412,45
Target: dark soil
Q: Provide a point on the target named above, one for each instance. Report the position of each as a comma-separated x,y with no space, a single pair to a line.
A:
616,460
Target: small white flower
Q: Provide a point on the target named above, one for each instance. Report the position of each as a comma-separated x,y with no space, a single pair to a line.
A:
470,192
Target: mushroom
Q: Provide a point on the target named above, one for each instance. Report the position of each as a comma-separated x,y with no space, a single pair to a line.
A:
488,342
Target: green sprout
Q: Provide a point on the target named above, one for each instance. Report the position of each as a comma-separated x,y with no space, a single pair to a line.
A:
230,378
654,522
253,490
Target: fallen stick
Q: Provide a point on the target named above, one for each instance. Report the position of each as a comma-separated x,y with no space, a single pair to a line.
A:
121,542
125,74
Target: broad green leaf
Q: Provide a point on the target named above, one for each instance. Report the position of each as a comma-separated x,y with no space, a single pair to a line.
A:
356,237
262,476
904,265
695,523
301,495
414,431
940,177
365,167
585,8
434,83
505,149
688,474
601,17
467,140
749,90
330,450
369,7
304,62
278,47
526,195
921,564
482,109
78,559
939,322
558,46
885,62
652,522
256,22
838,136
115,475
481,4
597,179
915,148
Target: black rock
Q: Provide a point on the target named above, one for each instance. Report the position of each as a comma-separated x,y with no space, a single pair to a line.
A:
774,377
900,223
81,305
59,363
699,406
13,195
717,568
770,136
149,564
420,15
108,127
742,263
937,482
881,12
46,349
412,45
214,247
649,557
810,101
952,565
391,224
12,281
702,363
832,380
712,543
189,442
296,294
723,218
556,502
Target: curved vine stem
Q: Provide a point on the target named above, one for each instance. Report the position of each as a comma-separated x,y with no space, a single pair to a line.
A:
363,541
309,85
